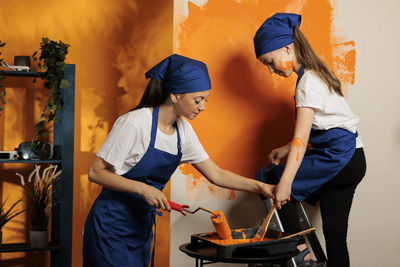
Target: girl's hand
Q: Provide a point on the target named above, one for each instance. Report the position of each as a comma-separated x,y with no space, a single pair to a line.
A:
282,194
155,197
267,190
278,153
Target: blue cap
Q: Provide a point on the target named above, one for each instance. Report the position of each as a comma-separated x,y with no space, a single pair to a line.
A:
276,32
181,74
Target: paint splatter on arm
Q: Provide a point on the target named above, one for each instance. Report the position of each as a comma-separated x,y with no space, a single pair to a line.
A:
297,143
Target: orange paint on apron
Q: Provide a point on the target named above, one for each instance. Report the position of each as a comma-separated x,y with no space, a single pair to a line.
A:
297,143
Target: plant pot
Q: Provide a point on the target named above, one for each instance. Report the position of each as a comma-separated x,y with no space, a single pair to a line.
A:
39,239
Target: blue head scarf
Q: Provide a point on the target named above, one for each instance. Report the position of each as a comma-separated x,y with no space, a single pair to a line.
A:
276,32
181,74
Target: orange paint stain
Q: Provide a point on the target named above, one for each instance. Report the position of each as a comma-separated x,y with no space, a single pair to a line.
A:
345,62
195,181
288,65
296,144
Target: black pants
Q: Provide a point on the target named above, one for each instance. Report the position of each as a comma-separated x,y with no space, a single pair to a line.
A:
336,198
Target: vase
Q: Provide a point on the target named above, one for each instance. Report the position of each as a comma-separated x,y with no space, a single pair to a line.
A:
38,239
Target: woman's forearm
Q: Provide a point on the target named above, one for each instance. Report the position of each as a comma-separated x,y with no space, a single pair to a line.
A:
101,173
113,181
228,179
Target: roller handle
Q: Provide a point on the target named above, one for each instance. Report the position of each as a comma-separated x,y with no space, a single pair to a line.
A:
178,207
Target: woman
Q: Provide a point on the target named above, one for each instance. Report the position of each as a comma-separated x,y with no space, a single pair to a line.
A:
143,149
329,170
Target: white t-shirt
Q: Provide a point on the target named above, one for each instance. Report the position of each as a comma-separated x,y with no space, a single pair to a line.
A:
331,109
130,137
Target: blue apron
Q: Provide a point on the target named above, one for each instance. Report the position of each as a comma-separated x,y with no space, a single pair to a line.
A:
119,227
330,151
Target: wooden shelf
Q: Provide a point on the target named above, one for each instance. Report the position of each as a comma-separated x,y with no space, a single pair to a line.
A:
63,140
11,73
54,161
21,247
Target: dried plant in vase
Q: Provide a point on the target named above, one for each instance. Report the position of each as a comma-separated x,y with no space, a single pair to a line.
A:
39,194
6,216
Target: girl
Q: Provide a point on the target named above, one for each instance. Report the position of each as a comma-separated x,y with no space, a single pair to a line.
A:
142,151
329,170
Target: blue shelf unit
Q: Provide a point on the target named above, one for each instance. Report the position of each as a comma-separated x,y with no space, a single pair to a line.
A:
60,245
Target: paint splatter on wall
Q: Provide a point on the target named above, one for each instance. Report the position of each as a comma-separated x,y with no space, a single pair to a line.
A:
249,112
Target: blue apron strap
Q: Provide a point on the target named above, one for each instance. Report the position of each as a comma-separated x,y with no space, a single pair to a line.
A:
301,72
179,139
154,125
153,252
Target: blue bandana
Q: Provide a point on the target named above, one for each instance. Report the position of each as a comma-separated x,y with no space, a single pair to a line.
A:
181,74
276,32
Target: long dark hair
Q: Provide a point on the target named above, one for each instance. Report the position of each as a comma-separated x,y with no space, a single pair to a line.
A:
154,95
307,56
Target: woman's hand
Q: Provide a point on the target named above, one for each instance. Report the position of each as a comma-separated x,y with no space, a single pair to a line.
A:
282,194
155,197
278,153
267,190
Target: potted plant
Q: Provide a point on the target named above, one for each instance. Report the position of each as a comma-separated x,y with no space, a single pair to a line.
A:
39,192
52,62
6,216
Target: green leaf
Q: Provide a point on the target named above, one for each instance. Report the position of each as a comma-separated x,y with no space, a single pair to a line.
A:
3,92
64,83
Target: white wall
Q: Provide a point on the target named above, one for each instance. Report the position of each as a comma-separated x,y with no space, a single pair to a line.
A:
374,234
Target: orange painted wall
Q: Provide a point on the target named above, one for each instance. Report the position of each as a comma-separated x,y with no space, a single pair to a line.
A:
112,44
249,111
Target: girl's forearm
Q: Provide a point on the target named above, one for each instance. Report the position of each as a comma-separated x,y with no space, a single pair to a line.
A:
296,153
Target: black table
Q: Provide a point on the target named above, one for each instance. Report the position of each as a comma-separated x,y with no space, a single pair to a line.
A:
204,252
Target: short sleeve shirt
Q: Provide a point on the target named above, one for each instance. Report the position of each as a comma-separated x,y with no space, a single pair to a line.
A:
130,137
330,109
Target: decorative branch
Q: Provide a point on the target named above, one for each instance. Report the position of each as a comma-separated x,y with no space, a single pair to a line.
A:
39,194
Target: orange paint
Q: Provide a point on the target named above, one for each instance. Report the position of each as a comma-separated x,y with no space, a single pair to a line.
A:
288,65
221,225
345,62
215,238
195,181
235,241
296,144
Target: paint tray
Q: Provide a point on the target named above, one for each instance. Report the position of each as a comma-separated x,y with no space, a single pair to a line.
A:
241,246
